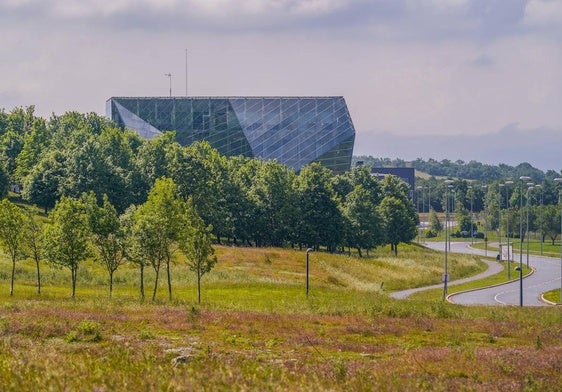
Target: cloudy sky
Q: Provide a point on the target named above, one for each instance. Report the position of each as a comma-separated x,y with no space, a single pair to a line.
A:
405,67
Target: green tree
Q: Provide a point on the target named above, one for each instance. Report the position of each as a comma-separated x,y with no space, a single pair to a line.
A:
273,196
551,221
34,243
320,220
196,244
158,222
434,222
135,242
365,229
66,237
4,182
399,219
107,235
41,185
12,234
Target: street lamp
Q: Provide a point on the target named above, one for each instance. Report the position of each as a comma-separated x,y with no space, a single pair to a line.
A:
507,232
471,225
485,220
522,179
529,187
446,271
307,252
559,180
500,186
540,213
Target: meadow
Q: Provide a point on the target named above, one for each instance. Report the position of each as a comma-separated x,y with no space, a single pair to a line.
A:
257,330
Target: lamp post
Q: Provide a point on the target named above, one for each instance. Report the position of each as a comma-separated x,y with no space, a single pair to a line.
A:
540,214
500,186
485,221
471,225
522,179
307,252
559,180
509,253
529,187
445,267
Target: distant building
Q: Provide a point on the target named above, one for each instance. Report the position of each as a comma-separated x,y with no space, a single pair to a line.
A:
293,130
407,174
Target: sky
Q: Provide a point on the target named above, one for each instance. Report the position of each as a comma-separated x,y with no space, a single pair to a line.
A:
407,68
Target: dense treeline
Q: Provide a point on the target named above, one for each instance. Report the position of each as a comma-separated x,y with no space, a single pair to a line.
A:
472,170
245,201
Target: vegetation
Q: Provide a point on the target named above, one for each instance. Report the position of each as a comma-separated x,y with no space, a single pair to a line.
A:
256,329
243,200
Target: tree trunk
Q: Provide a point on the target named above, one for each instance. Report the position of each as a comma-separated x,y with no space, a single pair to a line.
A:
157,270
142,282
395,249
199,285
359,252
169,280
38,276
13,275
110,283
73,271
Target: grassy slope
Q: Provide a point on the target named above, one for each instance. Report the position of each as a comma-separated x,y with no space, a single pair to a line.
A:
257,330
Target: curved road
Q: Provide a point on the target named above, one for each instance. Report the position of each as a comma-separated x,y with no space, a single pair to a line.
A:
546,277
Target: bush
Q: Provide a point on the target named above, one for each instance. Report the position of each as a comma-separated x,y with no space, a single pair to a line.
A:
430,233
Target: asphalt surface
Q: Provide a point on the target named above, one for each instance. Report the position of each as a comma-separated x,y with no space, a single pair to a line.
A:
546,277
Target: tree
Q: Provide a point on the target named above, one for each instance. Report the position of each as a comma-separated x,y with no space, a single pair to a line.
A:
400,221
196,244
434,222
134,243
320,220
34,238
157,223
4,183
66,237
551,222
365,229
12,233
41,185
107,235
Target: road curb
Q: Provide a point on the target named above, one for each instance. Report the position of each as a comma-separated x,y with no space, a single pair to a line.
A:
450,300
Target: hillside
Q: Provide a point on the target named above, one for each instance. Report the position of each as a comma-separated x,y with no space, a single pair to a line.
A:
256,330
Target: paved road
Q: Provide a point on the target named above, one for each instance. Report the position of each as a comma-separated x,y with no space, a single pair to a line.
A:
546,277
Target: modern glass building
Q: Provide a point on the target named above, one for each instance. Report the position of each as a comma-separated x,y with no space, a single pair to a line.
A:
293,130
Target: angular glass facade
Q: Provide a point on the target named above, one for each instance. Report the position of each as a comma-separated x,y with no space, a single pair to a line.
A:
293,130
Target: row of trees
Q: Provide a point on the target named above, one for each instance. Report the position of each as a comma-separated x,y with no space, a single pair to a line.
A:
544,219
148,236
244,200
472,170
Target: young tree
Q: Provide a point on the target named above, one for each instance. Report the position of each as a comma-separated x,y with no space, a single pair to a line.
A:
366,229
157,222
196,244
66,237
434,222
107,235
400,221
12,233
34,237
134,241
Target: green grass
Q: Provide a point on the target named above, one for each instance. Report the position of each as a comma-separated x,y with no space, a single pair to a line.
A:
553,296
257,330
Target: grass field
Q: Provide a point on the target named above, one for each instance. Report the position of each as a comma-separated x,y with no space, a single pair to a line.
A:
257,330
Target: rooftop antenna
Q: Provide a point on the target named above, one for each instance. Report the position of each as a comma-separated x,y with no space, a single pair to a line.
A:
169,75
